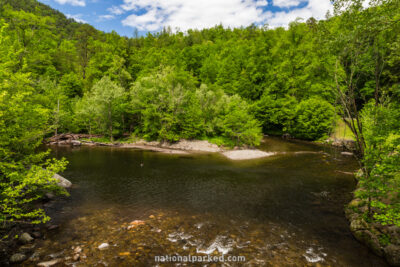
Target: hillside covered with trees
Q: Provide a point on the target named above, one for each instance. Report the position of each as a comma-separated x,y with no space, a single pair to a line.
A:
229,86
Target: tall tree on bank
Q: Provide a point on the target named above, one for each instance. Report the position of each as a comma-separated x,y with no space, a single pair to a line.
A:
361,41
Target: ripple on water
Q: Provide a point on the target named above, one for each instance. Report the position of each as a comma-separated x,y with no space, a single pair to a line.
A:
314,256
222,244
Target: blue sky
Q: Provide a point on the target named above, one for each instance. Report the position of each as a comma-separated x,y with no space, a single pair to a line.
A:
124,16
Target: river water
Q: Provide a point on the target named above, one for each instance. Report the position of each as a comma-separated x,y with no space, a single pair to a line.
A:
284,210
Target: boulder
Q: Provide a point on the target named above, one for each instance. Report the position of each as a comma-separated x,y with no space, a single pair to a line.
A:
356,203
358,224
17,258
25,238
76,143
62,181
369,239
392,254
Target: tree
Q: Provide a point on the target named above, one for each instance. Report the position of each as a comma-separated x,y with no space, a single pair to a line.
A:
25,175
107,97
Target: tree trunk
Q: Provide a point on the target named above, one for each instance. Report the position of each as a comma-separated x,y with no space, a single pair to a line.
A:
57,116
110,122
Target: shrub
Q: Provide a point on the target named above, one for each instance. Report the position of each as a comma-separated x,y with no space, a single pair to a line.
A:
314,119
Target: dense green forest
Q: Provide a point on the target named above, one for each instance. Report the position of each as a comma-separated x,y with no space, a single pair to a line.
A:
229,86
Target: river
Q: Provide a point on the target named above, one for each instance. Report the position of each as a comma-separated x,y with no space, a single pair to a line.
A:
283,210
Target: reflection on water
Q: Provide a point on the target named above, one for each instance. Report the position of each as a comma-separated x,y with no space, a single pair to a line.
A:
285,210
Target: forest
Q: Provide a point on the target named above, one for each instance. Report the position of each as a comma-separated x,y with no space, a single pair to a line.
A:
228,86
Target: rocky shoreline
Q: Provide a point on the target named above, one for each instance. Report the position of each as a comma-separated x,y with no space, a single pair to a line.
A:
181,147
383,240
20,246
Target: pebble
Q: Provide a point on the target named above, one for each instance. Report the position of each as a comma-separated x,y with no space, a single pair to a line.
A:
103,246
49,263
52,227
37,234
347,153
78,250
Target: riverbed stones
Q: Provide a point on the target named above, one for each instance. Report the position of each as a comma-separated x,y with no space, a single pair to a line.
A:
17,258
25,238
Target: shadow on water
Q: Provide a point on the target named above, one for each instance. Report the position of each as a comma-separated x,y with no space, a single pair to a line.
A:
284,210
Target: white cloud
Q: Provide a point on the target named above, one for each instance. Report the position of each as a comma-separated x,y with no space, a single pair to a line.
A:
314,8
190,14
76,17
286,3
153,15
106,17
72,2
116,10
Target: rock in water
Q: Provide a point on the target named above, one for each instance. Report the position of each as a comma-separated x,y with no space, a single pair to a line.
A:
76,143
25,238
17,258
347,153
103,246
246,154
62,181
49,263
392,253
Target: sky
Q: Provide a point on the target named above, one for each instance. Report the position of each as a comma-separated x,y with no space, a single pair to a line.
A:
124,16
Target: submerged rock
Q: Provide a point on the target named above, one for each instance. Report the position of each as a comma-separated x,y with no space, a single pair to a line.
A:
25,238
103,246
17,258
247,154
392,254
135,223
49,263
62,181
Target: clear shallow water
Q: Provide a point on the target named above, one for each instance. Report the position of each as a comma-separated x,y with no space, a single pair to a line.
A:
285,210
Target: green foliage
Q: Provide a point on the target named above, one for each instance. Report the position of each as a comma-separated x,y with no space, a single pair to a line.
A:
102,107
381,180
25,175
170,107
314,118
224,85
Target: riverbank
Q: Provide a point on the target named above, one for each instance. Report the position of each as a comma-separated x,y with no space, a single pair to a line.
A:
180,147
18,240
383,240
